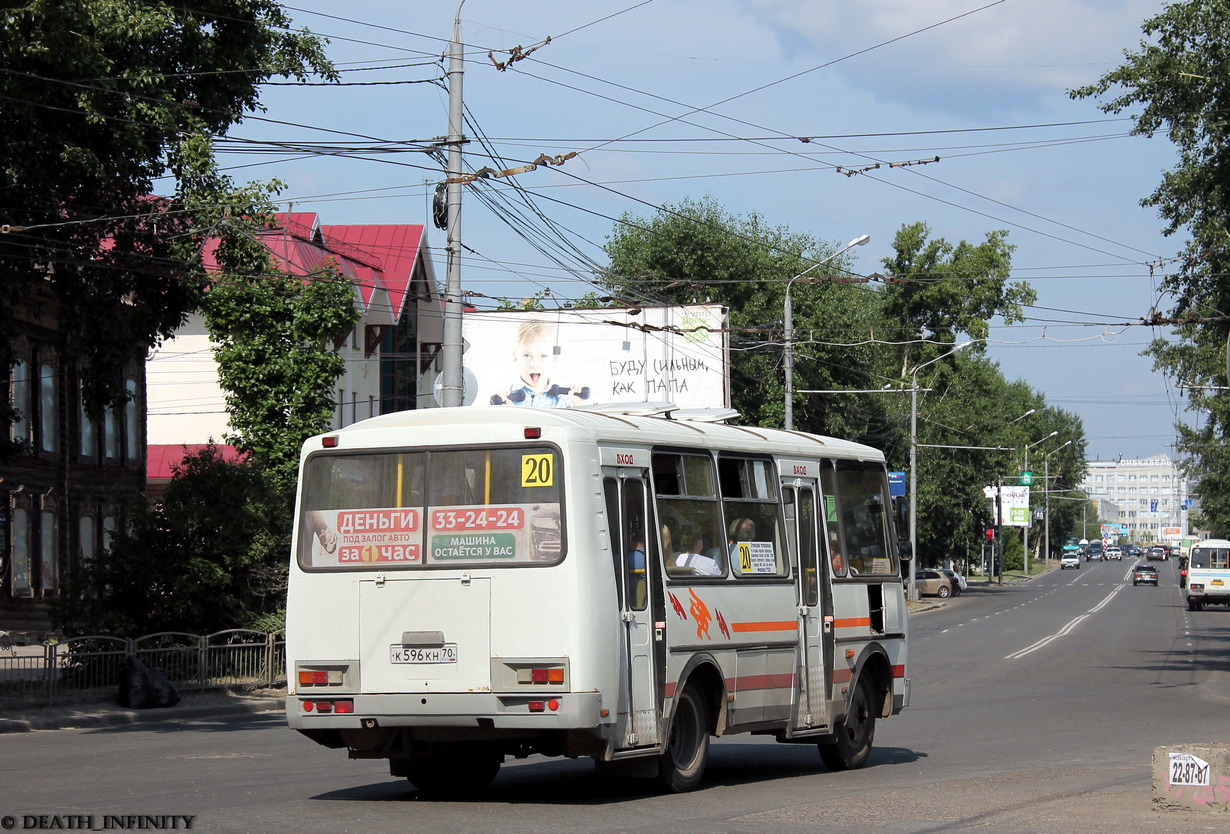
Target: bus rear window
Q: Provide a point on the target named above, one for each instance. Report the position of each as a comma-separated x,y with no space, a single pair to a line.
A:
1210,557
432,509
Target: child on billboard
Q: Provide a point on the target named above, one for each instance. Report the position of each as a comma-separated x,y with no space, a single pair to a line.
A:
534,360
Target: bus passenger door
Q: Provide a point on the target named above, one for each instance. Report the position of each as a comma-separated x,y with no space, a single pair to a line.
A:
637,574
815,607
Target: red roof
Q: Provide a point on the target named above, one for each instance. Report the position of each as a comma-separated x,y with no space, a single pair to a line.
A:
381,256
395,248
160,459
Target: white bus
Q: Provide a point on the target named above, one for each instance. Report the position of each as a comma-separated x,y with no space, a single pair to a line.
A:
1208,573
474,583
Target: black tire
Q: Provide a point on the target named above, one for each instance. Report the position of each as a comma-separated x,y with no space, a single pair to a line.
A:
943,591
682,764
1192,605
461,770
851,745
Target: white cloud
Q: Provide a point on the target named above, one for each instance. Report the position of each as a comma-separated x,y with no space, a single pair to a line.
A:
992,58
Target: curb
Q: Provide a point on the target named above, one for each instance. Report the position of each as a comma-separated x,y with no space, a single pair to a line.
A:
119,717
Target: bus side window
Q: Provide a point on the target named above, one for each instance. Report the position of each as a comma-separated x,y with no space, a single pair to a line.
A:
610,488
807,546
637,542
836,546
752,515
685,498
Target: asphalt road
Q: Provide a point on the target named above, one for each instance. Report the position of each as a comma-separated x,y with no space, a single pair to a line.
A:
1036,708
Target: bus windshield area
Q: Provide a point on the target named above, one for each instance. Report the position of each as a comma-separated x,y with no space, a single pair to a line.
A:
442,508
1213,558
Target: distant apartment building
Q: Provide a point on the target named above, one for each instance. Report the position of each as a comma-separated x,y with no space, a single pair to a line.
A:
1148,496
386,354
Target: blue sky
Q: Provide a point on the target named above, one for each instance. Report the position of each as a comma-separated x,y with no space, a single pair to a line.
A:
669,99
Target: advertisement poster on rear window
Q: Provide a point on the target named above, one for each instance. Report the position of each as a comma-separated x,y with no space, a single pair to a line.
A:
389,536
504,533
453,535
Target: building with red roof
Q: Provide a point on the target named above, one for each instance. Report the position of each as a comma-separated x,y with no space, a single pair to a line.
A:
387,353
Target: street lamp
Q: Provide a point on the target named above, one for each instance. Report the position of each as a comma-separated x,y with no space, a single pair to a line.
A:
1028,521
1046,485
788,317
914,457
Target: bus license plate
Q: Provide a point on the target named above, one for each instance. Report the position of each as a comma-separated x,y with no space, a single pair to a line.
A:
419,654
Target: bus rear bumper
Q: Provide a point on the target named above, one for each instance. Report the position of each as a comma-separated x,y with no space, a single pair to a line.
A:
549,711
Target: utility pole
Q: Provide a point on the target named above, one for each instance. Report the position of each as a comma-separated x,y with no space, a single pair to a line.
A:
450,351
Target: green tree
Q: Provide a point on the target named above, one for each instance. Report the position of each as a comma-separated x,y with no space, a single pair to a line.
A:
1176,83
853,334
695,251
211,556
942,290
104,101
274,336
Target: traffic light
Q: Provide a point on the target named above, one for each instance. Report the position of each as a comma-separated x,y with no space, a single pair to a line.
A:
990,534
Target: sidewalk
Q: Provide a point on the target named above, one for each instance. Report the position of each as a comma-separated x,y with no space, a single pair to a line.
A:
108,713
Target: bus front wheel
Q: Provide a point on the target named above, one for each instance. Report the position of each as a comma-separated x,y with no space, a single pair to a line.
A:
851,746
460,770
682,765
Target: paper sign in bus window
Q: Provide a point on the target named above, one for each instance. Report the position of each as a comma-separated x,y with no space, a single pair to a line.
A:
756,557
537,470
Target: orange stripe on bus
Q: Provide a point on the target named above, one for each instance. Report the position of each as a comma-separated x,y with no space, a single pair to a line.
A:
784,625
852,622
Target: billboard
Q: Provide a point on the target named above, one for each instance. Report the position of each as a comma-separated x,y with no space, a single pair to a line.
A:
1013,504
574,358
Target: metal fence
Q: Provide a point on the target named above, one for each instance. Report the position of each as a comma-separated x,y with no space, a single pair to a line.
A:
50,673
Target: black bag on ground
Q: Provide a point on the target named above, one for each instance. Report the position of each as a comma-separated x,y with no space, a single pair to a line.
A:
142,687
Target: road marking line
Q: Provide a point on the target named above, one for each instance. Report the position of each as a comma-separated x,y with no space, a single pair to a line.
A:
1067,629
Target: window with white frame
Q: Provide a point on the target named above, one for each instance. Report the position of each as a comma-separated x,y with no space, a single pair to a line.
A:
132,422
19,432
49,564
47,407
89,429
20,571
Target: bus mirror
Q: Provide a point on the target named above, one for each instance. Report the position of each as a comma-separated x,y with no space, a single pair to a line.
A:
905,552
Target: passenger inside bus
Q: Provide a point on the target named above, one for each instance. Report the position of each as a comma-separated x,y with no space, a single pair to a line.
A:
694,558
685,562
637,579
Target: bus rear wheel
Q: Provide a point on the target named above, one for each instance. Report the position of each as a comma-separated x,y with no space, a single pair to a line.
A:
458,770
851,746
682,765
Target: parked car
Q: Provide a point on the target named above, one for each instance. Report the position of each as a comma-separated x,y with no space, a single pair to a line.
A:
1144,574
1070,560
933,583
958,581
1114,553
